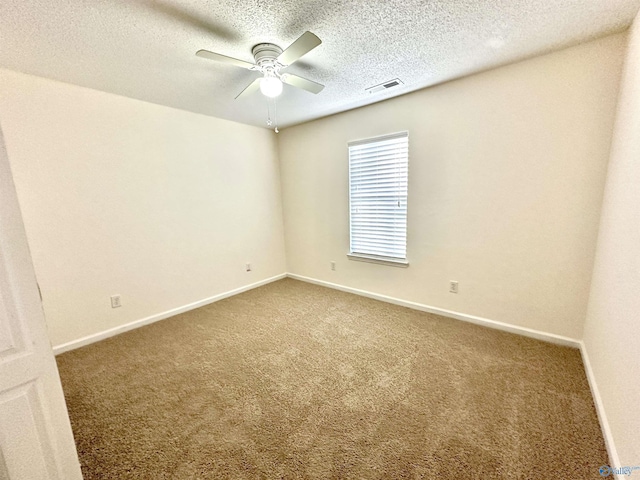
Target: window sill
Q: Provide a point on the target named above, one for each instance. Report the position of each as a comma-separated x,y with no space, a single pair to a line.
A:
392,262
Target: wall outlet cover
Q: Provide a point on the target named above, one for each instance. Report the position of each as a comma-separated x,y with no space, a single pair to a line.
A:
116,301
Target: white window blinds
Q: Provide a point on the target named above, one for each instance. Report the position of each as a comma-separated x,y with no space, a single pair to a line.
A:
378,174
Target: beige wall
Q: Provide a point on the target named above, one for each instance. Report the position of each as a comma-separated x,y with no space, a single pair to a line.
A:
506,174
612,328
124,197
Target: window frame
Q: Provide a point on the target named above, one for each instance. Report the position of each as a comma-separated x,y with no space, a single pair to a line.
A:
373,258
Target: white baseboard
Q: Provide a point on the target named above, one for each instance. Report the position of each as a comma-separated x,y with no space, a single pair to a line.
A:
96,337
527,332
602,416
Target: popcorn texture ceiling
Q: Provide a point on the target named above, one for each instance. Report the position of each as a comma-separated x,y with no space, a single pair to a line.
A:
146,49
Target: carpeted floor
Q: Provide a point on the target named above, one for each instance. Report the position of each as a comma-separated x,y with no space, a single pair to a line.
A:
296,381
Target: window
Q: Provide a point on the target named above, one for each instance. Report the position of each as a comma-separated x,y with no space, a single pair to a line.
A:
378,175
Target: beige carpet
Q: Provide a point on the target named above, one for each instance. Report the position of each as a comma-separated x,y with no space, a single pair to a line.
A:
297,381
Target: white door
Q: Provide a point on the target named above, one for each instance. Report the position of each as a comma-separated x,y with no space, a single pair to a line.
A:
36,442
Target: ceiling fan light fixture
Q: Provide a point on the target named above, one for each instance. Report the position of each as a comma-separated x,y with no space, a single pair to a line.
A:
271,86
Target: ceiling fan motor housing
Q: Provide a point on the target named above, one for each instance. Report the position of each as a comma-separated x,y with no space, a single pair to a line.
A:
266,55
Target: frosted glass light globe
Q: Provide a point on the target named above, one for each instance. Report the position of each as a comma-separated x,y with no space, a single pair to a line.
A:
271,86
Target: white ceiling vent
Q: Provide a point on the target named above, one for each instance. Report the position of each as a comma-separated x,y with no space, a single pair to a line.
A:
396,82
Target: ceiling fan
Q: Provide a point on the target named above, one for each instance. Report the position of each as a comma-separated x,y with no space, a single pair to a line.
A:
270,59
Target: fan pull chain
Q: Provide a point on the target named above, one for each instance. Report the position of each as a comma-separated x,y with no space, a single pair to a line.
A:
269,122
275,114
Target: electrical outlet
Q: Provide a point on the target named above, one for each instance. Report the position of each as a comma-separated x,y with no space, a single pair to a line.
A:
333,265
453,286
116,301
248,267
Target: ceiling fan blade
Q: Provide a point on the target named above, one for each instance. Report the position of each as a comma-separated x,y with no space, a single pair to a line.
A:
252,88
224,59
296,81
304,44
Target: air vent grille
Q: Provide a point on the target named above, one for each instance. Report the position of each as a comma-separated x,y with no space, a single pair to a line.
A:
393,83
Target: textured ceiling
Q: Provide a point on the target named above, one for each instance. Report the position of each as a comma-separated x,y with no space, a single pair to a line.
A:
145,49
